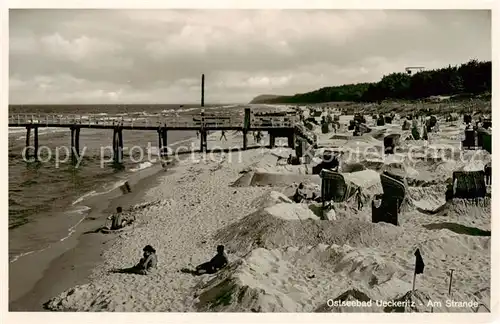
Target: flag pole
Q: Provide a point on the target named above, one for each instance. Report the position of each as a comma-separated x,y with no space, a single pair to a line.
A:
414,279
451,278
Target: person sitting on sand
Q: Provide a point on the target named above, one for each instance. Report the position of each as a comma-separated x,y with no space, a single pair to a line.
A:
117,220
315,197
148,261
218,262
145,265
299,194
280,159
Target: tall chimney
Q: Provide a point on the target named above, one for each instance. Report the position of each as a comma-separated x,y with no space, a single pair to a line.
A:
203,90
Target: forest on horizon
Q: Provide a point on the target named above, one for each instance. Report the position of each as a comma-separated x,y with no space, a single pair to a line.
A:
471,78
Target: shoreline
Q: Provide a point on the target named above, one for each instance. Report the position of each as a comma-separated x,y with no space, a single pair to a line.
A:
70,262
77,256
80,264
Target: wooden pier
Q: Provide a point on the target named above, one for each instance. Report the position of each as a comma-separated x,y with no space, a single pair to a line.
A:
276,126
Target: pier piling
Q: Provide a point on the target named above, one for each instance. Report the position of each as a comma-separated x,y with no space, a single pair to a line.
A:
120,145
160,145
246,127
72,128
203,132
117,145
291,140
272,140
203,141
77,141
245,140
28,135
164,148
36,144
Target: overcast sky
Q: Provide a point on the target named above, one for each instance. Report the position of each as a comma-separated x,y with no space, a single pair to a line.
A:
145,56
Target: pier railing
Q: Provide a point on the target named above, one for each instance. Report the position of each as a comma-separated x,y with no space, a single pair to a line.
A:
173,121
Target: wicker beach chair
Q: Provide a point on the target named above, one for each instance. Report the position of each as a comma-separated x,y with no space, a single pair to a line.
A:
469,143
333,188
469,184
392,199
390,143
484,139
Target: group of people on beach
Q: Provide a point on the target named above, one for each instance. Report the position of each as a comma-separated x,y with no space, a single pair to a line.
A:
222,135
149,260
257,136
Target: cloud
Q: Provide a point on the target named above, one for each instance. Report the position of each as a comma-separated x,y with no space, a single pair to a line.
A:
133,56
77,50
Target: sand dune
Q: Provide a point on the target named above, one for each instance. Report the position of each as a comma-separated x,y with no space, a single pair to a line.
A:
304,279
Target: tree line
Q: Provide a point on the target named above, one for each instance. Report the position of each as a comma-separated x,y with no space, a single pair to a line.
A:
472,78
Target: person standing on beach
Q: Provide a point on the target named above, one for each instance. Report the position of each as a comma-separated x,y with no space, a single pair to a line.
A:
258,136
359,199
487,173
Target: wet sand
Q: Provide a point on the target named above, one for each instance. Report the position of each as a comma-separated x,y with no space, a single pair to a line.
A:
40,276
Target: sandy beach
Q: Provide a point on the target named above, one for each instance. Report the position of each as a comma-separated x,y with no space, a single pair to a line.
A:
282,256
242,159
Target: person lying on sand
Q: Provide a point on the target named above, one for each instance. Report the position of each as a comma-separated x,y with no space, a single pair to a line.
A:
218,262
299,194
